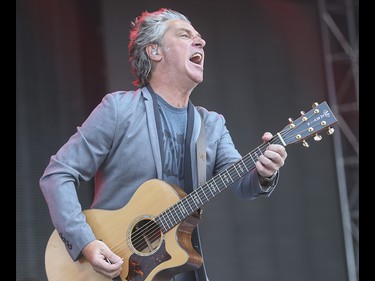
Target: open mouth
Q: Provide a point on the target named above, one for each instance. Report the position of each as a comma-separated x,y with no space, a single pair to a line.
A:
196,58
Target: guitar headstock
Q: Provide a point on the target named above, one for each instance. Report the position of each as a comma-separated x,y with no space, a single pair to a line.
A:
319,118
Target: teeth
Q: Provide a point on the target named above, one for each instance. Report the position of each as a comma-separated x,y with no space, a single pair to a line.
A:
197,55
196,58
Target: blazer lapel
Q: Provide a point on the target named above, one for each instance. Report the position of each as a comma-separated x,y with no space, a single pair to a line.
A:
153,130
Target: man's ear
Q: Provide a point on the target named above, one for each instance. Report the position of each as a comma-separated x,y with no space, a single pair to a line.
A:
153,52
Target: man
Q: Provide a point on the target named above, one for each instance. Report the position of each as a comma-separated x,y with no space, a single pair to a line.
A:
135,136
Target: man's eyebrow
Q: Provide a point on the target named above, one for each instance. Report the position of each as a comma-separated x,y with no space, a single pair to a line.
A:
190,31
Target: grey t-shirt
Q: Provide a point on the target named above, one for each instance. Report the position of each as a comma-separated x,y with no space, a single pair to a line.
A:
173,122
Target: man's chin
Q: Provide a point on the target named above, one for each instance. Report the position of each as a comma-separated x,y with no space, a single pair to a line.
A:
198,79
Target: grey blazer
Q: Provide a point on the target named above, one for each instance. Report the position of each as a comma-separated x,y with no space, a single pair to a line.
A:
118,145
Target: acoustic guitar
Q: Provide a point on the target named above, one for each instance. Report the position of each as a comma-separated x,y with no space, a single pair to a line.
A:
152,232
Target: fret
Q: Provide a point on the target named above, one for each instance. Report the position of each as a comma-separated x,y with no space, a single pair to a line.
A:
235,174
194,198
229,177
257,155
173,215
221,179
188,206
161,224
168,225
187,201
169,219
177,213
212,186
182,207
205,194
245,161
244,165
198,197
237,171
252,158
165,224
202,195
217,187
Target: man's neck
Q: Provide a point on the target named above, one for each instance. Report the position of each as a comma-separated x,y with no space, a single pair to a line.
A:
175,96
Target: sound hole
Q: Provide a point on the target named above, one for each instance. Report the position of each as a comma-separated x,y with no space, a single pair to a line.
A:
146,236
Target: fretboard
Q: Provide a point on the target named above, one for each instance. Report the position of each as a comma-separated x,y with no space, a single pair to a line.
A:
204,193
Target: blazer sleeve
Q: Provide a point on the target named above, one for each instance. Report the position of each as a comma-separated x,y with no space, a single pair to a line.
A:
221,153
77,160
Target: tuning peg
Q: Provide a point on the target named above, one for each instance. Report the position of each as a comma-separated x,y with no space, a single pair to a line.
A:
317,137
304,118
315,104
305,144
291,123
330,131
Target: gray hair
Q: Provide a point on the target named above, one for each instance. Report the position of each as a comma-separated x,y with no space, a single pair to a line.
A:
148,28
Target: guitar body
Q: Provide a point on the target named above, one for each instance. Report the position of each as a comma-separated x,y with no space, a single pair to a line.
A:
148,256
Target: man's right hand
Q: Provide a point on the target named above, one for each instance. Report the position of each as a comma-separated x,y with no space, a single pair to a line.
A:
102,259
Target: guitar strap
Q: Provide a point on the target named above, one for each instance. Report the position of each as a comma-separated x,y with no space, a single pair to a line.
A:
200,273
201,154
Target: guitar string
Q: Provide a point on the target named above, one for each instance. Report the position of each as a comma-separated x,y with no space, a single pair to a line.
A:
230,173
154,230
173,208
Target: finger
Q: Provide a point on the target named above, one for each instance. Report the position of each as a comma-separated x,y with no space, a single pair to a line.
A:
115,269
263,170
272,156
279,149
112,258
272,160
110,269
267,136
114,262
269,166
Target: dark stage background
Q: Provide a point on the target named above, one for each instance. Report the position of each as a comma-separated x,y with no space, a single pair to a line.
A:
263,65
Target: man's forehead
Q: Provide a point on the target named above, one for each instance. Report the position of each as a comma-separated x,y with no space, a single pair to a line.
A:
177,24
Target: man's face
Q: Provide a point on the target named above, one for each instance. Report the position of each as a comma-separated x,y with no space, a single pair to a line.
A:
182,52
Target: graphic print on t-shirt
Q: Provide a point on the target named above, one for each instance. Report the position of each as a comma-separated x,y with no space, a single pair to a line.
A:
174,151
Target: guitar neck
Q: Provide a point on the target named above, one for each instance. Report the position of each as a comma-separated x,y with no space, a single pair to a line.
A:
204,193
309,124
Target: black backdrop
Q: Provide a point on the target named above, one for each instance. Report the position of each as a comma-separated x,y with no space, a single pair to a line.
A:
263,65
